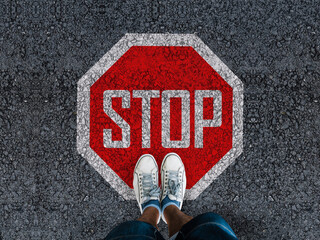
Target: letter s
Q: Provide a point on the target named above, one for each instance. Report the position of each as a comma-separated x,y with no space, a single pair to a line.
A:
107,107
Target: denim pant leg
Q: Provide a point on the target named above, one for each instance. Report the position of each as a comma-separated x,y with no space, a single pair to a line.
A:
206,226
134,230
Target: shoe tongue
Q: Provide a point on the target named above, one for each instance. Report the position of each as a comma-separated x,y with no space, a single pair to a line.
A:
153,198
172,197
147,199
152,194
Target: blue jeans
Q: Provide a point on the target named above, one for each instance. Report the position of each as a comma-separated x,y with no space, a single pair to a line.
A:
203,227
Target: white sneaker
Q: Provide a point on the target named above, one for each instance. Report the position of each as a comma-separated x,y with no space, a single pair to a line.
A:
173,182
146,183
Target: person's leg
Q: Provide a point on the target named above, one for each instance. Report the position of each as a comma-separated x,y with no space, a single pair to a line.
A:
150,215
206,226
147,191
145,227
134,230
173,182
175,219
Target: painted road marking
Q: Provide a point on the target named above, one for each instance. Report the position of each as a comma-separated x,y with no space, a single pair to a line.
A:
158,93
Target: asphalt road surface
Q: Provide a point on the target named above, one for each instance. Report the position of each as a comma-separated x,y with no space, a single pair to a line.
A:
48,191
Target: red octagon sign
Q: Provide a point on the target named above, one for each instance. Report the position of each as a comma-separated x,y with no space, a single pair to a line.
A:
160,93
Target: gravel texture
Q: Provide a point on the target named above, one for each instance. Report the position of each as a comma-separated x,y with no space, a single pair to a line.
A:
48,191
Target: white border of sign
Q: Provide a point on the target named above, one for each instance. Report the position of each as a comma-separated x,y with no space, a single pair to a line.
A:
129,40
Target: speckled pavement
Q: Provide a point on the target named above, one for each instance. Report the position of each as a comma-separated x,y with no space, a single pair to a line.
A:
48,191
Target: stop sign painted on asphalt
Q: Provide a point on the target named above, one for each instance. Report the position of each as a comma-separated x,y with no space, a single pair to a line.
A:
160,93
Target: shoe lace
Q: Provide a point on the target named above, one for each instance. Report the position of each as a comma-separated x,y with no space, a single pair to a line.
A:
149,189
174,183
